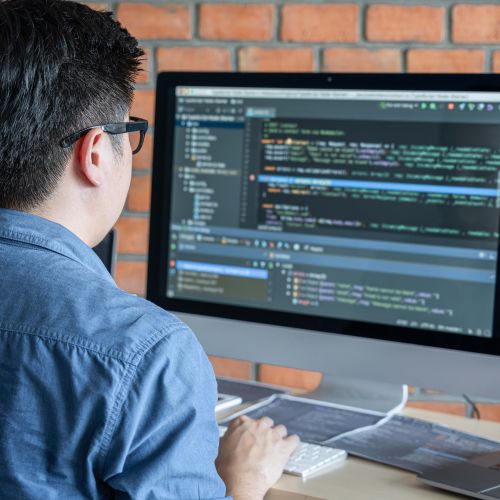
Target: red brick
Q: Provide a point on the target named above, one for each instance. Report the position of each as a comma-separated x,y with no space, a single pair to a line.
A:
193,59
260,59
489,411
236,21
146,21
139,196
445,61
398,23
452,408
143,75
143,160
131,276
133,235
320,23
495,62
290,377
476,24
144,105
362,60
224,367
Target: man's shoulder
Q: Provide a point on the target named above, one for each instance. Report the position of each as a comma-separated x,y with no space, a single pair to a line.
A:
132,325
81,309
59,298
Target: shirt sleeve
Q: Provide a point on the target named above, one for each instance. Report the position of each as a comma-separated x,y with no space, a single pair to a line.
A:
165,438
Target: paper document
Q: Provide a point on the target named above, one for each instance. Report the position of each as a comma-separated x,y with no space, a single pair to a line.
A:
400,441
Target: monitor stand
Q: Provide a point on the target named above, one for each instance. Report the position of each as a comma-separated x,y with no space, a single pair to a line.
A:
364,394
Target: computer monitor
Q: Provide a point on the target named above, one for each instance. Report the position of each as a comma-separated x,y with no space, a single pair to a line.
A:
340,223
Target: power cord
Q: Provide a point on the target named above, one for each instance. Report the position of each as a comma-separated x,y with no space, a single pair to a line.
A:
472,409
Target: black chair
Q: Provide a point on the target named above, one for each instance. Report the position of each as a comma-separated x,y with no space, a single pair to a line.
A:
106,251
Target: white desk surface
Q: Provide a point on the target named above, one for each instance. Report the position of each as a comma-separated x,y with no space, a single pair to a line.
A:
363,479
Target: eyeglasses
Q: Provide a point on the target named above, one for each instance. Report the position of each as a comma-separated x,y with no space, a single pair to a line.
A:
136,129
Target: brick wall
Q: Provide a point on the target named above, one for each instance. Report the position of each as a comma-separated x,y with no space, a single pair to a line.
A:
281,35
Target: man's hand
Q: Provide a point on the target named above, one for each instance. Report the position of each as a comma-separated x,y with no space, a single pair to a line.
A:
252,454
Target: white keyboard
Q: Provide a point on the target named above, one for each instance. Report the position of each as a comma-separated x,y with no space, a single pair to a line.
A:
308,459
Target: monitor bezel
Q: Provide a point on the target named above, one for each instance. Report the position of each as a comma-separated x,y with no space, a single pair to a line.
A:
161,199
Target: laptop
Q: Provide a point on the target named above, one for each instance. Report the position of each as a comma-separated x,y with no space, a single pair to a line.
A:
477,478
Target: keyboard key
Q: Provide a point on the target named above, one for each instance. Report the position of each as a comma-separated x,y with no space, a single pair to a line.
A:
308,458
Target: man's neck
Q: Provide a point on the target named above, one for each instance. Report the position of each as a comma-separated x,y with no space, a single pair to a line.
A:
67,217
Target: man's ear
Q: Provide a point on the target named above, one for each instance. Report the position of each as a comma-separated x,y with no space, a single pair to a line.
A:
91,156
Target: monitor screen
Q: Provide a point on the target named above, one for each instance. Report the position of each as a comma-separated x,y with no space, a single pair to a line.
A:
358,208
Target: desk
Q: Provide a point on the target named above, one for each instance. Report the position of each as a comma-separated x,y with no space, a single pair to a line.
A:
362,479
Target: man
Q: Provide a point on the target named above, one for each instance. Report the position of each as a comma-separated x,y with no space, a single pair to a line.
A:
103,395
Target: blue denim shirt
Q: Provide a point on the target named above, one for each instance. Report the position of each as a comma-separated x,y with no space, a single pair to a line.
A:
102,394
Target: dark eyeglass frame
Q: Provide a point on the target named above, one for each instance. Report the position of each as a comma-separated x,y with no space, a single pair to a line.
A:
134,125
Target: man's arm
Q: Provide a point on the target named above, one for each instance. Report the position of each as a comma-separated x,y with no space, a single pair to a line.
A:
165,438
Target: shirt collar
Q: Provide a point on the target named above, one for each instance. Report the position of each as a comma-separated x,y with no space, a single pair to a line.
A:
34,230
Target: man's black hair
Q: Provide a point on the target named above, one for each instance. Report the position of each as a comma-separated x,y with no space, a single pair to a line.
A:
63,67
